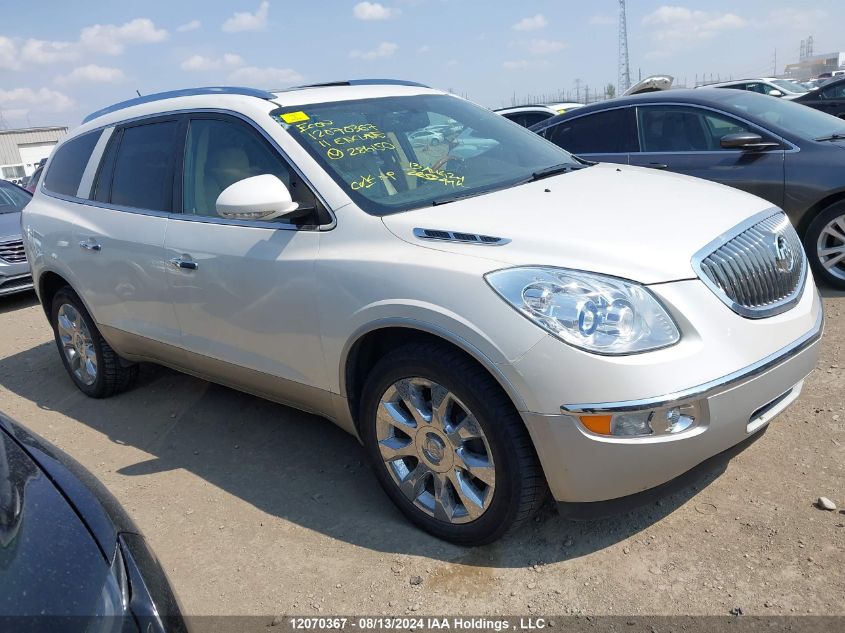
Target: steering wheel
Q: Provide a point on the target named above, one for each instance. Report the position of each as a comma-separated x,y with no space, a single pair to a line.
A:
440,164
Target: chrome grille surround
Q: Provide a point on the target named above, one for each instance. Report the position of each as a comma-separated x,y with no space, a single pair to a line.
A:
758,268
12,251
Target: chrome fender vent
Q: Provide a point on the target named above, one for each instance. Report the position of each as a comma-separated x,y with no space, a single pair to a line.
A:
463,238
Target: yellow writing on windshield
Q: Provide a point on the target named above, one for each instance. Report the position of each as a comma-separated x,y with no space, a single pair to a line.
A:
434,175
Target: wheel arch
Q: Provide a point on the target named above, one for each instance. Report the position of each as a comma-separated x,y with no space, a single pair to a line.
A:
49,283
813,212
373,341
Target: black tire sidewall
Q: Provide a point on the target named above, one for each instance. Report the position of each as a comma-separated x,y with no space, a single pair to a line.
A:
811,239
506,497
68,296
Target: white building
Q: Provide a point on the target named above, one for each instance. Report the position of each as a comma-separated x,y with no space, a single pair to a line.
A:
22,150
816,65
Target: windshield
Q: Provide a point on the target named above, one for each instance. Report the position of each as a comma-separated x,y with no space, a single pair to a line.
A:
12,199
791,117
392,154
789,86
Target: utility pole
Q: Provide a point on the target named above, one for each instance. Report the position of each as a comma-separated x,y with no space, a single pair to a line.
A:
775,64
624,65
578,90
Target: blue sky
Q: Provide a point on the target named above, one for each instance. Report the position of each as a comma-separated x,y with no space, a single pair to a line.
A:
61,60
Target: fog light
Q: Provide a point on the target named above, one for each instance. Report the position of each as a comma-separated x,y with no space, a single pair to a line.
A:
643,423
628,424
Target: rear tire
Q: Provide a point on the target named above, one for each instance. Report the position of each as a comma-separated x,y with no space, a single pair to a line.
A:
91,363
824,243
448,446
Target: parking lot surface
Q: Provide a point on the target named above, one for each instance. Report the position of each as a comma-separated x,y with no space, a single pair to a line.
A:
255,508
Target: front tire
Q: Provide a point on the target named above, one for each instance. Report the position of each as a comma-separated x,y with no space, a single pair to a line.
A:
825,244
91,363
448,446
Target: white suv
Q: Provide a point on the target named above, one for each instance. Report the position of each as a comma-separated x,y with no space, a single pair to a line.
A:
493,318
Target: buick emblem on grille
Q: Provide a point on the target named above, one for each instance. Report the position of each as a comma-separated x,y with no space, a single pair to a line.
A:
784,256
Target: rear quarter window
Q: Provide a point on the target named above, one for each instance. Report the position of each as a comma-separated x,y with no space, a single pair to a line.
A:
68,164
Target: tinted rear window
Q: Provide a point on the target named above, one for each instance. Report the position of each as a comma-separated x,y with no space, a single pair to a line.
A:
606,132
143,169
69,162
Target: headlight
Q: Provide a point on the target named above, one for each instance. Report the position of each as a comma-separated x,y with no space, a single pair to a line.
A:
593,312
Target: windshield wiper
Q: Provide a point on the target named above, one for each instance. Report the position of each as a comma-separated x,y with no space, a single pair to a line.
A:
836,136
554,170
457,196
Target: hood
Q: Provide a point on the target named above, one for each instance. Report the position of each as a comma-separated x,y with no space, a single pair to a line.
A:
629,222
10,225
49,564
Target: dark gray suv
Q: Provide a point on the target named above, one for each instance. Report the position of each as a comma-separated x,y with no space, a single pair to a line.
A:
791,155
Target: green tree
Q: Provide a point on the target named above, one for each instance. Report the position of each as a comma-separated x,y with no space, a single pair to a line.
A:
610,91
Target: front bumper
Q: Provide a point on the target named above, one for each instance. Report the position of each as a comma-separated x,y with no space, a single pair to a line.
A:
14,277
583,467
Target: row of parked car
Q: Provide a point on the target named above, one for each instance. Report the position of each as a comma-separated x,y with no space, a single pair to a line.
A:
772,147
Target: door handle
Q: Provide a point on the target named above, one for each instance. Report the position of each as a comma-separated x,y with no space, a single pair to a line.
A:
90,245
186,264
658,166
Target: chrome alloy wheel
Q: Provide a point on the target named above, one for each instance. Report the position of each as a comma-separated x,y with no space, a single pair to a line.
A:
831,247
435,450
77,344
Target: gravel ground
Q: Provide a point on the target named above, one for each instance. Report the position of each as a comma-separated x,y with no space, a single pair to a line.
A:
258,509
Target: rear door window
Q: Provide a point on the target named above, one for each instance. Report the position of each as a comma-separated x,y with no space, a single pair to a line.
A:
606,132
68,164
144,166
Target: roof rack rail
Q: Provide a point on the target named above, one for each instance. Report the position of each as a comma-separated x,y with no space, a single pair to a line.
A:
188,92
361,82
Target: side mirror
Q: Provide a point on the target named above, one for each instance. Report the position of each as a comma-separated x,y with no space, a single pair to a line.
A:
262,197
745,140
775,93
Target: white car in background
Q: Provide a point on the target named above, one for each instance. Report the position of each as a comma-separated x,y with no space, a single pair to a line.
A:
492,327
528,115
771,86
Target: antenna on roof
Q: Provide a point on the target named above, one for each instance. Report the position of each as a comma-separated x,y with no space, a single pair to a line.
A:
137,92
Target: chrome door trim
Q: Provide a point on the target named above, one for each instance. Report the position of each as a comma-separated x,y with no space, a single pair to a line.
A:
709,388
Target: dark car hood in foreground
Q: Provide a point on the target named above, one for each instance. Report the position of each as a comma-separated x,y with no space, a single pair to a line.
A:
49,562
10,225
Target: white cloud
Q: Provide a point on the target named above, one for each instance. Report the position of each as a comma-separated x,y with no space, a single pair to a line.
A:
8,54
246,21
525,64
44,52
92,74
193,25
425,48
674,28
374,11
42,99
201,63
544,47
531,23
112,39
795,19
267,78
385,49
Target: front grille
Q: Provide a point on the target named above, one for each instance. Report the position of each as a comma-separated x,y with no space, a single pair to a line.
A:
758,269
12,252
